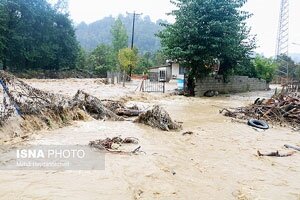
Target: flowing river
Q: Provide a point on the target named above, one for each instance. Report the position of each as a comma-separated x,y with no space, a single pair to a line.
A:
218,161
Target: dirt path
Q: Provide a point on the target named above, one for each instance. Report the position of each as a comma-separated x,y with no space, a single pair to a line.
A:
217,162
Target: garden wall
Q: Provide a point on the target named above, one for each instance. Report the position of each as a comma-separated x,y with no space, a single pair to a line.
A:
234,84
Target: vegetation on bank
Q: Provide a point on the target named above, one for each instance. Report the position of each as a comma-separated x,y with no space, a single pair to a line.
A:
38,39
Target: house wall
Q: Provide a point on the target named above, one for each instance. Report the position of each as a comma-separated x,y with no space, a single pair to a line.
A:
235,84
153,70
175,71
168,70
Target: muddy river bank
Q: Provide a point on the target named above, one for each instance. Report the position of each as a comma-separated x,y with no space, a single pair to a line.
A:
218,161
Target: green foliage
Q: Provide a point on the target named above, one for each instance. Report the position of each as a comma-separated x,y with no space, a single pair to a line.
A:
265,68
36,36
144,62
297,72
286,66
101,60
81,59
3,20
119,34
128,59
159,58
205,30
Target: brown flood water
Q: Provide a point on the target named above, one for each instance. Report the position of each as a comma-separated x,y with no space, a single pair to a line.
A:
217,162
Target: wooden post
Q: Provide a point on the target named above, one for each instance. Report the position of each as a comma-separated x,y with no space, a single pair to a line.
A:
124,78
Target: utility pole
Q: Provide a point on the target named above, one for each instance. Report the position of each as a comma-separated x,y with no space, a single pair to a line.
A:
132,35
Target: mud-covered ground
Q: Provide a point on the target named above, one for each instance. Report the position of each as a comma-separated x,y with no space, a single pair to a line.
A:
218,161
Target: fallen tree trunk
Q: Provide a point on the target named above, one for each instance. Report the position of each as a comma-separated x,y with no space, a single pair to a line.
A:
158,118
128,112
93,106
275,154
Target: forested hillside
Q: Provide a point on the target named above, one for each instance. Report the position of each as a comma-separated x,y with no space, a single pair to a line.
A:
91,35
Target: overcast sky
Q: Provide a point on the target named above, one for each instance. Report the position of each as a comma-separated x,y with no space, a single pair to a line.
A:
264,22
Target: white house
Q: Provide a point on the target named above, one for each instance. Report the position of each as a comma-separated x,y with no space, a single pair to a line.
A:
172,71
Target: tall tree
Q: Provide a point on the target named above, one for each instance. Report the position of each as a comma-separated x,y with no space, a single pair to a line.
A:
3,28
206,30
265,68
37,36
128,59
120,37
62,6
101,60
287,66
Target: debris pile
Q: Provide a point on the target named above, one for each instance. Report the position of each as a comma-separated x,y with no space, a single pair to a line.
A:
158,118
39,109
112,144
282,109
44,108
20,99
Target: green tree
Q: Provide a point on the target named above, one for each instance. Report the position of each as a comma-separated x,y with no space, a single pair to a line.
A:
37,36
265,68
159,58
297,72
101,60
81,59
205,30
144,62
120,37
3,27
286,66
62,6
128,59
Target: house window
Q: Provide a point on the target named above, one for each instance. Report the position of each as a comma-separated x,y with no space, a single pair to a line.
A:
181,70
162,75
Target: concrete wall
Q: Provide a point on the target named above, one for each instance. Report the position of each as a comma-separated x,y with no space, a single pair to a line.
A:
236,84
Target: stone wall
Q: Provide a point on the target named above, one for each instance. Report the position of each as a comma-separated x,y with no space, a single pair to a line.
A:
235,84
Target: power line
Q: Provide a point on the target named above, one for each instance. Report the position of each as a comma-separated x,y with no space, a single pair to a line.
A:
133,26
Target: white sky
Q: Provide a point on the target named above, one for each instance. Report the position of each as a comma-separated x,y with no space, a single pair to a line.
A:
264,22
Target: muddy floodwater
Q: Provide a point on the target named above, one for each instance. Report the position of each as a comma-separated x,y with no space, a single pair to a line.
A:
218,161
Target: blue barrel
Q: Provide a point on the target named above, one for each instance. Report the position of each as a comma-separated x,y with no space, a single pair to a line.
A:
180,84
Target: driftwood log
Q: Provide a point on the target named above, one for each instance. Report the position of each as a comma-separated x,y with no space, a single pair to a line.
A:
107,144
292,147
275,154
93,106
120,109
158,118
